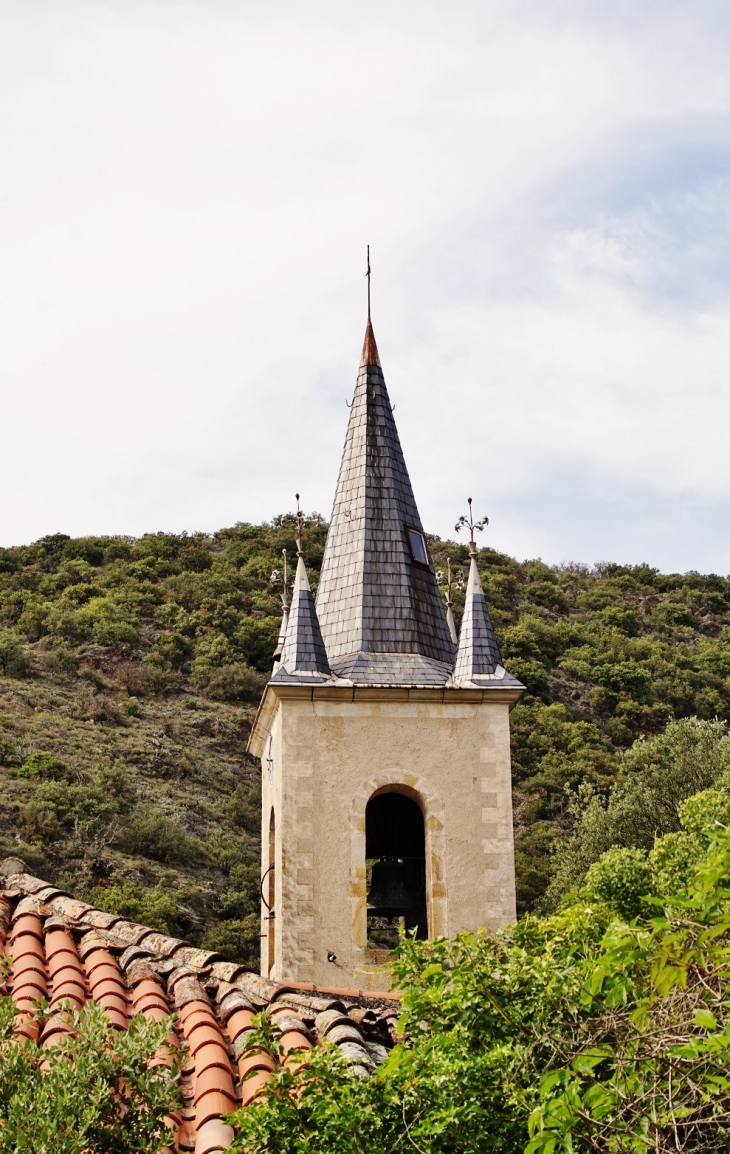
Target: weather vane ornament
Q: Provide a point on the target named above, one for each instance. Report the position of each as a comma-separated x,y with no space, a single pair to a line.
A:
300,527
470,524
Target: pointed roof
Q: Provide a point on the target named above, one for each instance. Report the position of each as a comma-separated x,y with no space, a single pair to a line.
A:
370,355
477,658
380,610
303,652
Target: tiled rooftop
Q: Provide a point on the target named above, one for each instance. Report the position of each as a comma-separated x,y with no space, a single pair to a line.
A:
67,951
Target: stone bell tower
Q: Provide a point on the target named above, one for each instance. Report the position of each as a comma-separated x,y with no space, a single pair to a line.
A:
384,745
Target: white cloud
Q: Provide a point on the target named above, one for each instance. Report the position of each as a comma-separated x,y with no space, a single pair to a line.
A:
186,190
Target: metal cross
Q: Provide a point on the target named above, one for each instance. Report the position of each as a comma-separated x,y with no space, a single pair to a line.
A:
367,274
470,524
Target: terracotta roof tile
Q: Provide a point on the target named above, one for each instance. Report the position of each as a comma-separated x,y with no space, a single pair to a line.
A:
240,1021
68,951
213,1135
160,943
98,919
213,1078
253,1085
214,1105
201,1033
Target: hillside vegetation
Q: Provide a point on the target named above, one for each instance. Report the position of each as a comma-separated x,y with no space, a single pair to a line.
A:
130,672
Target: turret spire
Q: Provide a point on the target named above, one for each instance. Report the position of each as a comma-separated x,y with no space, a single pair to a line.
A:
303,654
478,653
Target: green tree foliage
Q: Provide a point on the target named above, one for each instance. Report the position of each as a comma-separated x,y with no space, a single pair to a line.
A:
602,1028
94,1092
657,775
608,654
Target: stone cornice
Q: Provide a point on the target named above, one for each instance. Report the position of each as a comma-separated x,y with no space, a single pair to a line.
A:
276,692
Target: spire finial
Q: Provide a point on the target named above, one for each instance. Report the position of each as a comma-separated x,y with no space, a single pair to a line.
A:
300,526
470,524
367,274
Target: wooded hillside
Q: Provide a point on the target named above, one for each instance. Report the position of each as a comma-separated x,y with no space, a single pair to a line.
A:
130,671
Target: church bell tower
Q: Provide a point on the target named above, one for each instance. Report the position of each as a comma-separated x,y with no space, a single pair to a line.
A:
384,744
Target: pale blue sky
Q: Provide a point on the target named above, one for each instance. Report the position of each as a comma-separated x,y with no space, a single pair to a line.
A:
186,191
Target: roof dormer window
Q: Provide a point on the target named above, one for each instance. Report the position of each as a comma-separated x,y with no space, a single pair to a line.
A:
417,545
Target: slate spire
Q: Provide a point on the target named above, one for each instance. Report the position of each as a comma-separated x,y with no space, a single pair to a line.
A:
303,653
477,655
378,602
478,652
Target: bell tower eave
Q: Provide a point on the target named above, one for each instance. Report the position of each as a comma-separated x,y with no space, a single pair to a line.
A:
274,693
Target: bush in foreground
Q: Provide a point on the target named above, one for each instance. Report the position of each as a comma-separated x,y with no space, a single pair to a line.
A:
582,1031
98,1094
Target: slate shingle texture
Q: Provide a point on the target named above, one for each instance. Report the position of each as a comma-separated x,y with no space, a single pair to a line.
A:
303,650
477,657
70,952
372,598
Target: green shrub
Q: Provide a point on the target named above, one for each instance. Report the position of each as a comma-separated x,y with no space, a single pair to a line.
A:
239,940
232,683
532,674
158,907
155,835
8,752
14,661
102,621
43,764
58,807
622,878
67,1098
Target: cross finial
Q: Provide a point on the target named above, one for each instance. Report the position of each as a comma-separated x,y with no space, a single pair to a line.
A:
367,274
300,525
470,524
449,598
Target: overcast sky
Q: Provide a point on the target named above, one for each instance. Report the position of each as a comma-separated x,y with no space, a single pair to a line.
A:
186,192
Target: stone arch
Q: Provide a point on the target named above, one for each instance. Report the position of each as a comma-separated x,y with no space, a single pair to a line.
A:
422,792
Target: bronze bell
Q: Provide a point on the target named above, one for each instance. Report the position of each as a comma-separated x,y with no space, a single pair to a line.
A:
388,897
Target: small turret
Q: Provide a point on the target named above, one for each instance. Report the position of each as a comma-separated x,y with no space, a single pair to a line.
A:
477,657
303,655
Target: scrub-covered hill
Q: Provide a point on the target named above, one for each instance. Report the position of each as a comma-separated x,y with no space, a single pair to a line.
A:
130,671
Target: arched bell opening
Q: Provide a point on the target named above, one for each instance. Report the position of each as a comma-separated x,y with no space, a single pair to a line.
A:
395,852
